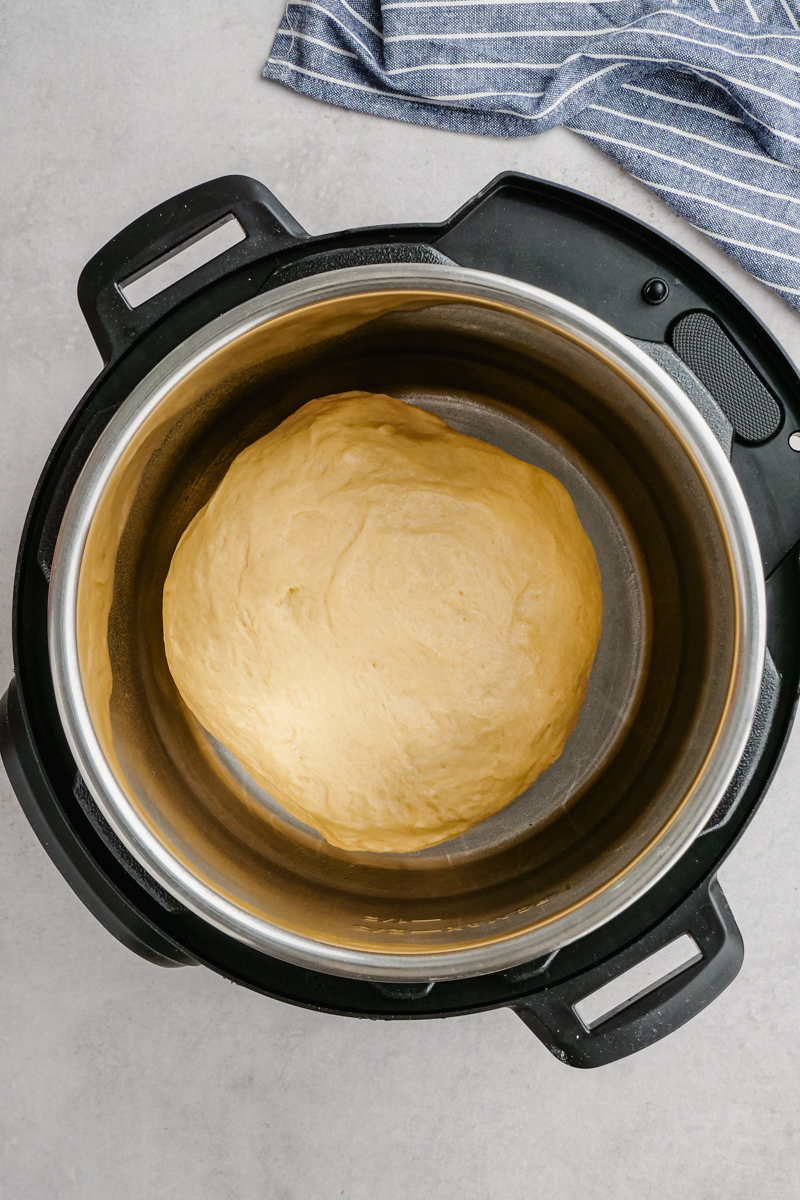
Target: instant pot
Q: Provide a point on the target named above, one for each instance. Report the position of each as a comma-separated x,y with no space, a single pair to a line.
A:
568,334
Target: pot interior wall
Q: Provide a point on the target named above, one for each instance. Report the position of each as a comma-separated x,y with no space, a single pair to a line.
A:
426,347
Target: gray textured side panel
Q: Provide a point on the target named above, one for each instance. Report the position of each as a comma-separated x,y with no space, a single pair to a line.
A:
356,256
699,395
767,702
122,855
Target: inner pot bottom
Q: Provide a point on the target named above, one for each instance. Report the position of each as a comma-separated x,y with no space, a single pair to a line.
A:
616,680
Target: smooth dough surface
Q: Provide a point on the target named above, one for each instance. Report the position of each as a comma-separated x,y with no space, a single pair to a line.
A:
390,625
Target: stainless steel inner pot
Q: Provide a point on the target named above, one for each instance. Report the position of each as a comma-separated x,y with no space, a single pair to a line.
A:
674,686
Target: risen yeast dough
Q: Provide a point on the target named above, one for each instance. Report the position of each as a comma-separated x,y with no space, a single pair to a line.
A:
389,624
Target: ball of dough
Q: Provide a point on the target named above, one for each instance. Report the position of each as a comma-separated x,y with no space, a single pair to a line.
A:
390,625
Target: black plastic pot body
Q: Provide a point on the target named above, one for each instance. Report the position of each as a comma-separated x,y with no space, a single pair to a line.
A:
585,252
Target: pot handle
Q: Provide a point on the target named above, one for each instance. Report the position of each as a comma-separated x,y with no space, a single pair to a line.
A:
657,1011
164,231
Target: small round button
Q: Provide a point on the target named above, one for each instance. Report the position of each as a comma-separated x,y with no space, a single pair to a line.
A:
794,440
655,291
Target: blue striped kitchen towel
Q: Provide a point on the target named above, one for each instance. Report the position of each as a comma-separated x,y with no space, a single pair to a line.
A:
701,103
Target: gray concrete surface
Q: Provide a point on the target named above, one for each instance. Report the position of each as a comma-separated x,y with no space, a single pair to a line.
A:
121,1081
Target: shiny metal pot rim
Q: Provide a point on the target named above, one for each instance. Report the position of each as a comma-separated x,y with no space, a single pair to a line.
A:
716,474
